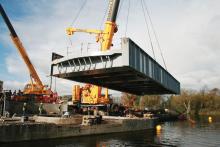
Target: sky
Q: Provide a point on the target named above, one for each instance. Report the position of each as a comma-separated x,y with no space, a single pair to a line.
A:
188,32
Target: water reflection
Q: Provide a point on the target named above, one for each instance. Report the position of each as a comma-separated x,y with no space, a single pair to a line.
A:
139,138
202,133
210,119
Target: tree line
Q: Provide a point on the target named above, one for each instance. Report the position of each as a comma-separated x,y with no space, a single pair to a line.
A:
189,101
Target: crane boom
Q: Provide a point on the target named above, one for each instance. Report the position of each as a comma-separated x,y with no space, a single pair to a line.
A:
21,49
110,25
35,89
113,10
103,36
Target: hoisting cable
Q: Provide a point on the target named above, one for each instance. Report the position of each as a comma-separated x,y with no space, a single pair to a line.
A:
155,34
70,42
78,13
119,10
148,30
121,4
75,18
103,18
126,25
106,10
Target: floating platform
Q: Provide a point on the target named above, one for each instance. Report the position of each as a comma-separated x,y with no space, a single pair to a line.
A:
129,69
29,131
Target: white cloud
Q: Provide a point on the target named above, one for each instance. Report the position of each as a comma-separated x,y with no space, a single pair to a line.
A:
16,65
198,79
13,85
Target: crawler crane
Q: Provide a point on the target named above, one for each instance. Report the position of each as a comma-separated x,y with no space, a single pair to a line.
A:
35,89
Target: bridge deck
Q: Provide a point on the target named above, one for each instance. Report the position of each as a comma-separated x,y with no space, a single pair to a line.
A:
129,70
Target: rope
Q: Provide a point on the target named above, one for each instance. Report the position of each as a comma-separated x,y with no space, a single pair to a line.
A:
126,26
155,34
148,30
78,13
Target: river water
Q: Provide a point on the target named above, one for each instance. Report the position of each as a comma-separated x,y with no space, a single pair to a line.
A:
182,133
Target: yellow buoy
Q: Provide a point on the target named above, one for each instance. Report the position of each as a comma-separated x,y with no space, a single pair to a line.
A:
158,127
210,119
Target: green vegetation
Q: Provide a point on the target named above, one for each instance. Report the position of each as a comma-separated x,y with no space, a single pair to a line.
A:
198,102
189,101
141,102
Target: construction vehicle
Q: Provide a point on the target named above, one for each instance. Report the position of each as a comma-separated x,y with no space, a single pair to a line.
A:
91,94
35,89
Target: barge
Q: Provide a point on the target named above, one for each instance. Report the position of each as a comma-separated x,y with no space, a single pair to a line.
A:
15,131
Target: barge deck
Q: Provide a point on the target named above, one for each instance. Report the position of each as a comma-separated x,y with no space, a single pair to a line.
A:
26,131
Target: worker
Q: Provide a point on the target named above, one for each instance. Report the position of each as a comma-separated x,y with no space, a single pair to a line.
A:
108,109
24,108
60,109
88,109
10,94
121,110
14,93
19,92
95,111
40,108
126,111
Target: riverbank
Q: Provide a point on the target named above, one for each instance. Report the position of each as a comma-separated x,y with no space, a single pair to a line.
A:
209,112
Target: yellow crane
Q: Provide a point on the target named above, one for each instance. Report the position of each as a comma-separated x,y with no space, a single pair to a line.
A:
91,94
103,36
35,87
